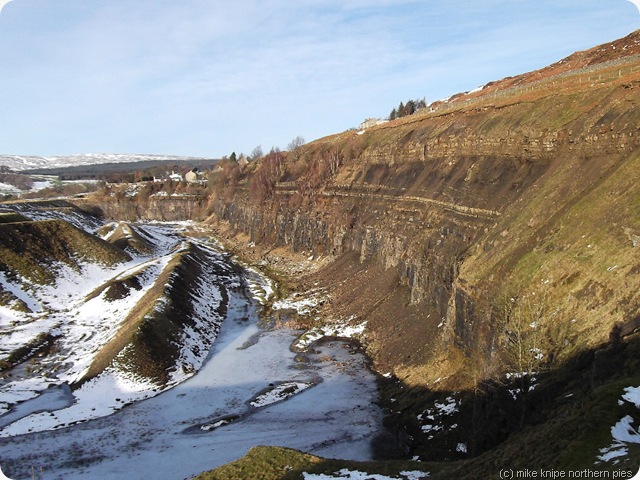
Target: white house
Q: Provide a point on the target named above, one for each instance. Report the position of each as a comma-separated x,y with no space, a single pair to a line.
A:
371,122
191,177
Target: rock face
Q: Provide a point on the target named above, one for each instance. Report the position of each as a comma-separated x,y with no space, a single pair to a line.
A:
523,192
166,209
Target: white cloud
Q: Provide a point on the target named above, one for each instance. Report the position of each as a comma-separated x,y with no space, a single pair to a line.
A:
202,74
3,3
636,3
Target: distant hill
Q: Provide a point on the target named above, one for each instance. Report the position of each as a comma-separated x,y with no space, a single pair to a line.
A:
48,165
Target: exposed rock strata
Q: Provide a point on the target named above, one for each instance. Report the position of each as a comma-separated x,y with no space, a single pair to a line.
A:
457,203
498,195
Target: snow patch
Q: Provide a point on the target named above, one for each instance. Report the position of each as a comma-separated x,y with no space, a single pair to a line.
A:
519,391
435,416
279,393
261,287
357,475
632,395
9,189
341,329
302,303
20,294
623,432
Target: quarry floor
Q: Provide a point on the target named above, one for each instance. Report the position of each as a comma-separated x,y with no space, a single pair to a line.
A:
208,420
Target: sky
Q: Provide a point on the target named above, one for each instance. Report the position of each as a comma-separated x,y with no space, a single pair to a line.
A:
210,77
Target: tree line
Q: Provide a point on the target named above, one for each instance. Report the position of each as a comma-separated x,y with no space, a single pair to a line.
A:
408,108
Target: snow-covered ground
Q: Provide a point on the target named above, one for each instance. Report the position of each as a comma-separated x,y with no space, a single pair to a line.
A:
5,188
75,217
247,388
66,311
339,328
26,162
162,437
82,321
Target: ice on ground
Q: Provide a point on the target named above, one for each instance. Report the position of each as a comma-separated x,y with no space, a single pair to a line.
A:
54,398
99,397
279,393
335,419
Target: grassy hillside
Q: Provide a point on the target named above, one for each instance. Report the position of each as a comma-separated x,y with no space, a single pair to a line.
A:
274,463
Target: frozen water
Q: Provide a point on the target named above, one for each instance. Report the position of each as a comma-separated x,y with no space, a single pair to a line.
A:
327,407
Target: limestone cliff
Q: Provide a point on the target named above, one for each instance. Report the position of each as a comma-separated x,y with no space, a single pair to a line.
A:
528,189
491,245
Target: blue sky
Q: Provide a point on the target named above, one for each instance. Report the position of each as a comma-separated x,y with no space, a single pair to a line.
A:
208,77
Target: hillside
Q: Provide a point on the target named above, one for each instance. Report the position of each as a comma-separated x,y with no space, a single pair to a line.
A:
149,342
34,163
33,250
120,313
470,200
490,243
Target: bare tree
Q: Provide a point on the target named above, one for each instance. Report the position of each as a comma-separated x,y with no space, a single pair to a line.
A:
271,168
295,143
522,320
524,343
256,153
294,148
335,161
